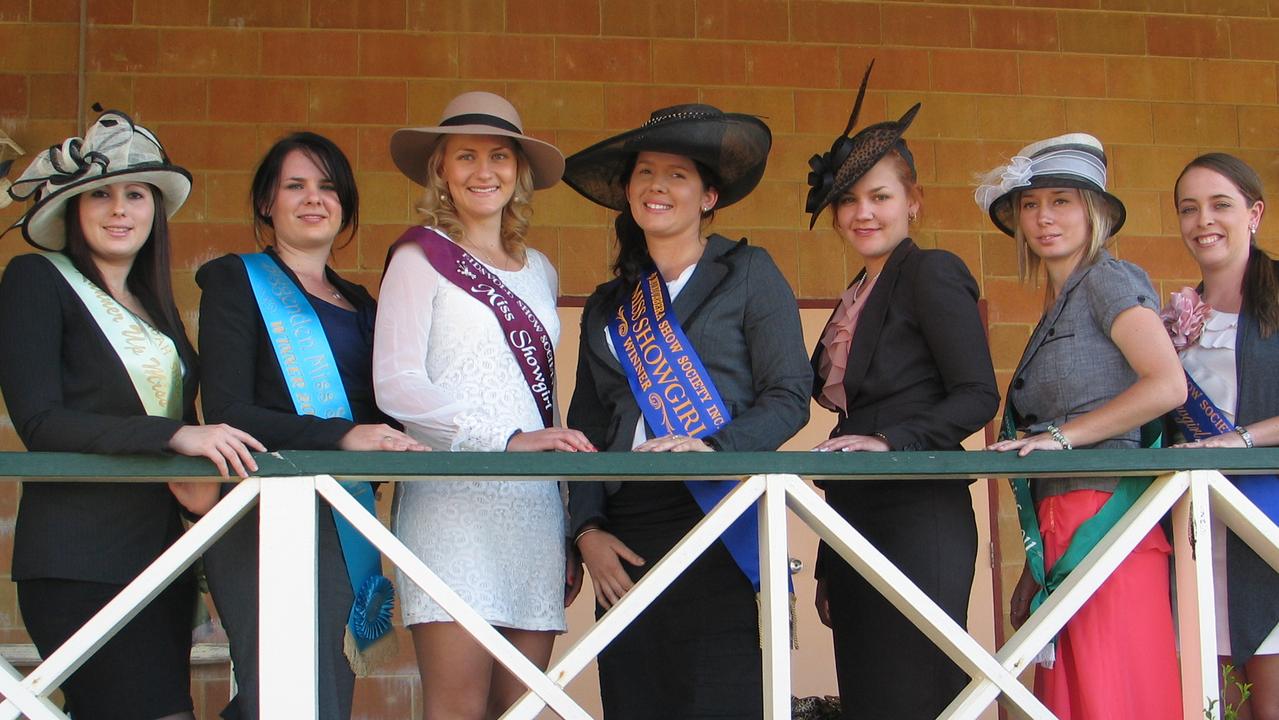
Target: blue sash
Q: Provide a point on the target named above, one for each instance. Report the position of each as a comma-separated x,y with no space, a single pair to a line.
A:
678,397
1200,418
311,373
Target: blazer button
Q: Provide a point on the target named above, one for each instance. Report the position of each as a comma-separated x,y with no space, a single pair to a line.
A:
1019,384
1052,331
1031,419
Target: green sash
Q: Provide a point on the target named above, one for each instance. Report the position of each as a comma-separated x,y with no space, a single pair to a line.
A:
149,356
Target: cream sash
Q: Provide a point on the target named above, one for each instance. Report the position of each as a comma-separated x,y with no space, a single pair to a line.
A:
148,355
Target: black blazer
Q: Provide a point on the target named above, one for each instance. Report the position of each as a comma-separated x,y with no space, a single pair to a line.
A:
68,391
243,384
739,313
919,369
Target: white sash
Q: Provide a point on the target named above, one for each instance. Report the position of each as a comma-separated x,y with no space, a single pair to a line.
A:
149,356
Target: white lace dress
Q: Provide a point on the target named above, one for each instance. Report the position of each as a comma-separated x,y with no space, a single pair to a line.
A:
442,368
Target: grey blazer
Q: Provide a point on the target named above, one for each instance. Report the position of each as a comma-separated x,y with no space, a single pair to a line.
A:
740,315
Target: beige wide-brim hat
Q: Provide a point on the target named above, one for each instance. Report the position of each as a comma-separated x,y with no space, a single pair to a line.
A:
113,150
475,113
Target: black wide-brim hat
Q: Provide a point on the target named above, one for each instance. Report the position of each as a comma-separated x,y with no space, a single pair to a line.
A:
733,145
849,158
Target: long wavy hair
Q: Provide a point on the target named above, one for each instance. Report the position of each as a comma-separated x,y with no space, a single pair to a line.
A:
633,259
437,208
1099,224
1260,282
149,278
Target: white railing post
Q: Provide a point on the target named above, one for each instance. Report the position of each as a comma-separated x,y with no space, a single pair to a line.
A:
1196,616
774,571
287,598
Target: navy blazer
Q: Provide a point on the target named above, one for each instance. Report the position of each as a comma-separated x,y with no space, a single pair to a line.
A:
740,315
244,385
68,391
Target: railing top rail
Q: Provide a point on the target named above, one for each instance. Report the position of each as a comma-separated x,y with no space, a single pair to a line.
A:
583,466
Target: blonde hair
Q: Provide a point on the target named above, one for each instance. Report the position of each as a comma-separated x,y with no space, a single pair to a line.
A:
1100,222
437,208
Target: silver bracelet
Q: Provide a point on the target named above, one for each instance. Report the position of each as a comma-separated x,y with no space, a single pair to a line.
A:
1060,437
1247,436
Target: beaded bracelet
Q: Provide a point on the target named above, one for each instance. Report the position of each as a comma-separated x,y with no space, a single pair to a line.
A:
1060,437
1247,436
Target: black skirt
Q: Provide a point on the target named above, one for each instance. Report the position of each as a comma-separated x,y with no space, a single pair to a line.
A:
144,671
693,653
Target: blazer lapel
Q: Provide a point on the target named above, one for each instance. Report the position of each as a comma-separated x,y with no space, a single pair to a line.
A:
1049,318
595,325
706,277
870,323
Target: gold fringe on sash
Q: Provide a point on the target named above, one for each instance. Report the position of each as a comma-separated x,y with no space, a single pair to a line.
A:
365,662
794,626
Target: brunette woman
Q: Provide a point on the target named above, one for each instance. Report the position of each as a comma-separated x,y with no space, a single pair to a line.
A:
95,359
904,363
1233,363
1097,368
734,328
304,199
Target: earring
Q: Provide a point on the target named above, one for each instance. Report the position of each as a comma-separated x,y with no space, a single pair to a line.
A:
910,218
706,209
1253,229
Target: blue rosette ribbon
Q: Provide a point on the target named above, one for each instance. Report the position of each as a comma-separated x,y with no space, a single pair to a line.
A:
371,612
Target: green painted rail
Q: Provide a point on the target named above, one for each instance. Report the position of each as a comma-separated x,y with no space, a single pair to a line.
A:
51,466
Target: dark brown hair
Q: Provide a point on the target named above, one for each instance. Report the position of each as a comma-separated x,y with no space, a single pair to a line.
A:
332,162
1260,281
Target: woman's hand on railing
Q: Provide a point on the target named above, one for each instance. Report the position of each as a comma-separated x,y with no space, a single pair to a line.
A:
228,448
379,437
853,443
674,443
603,554
553,438
1019,604
1027,445
822,602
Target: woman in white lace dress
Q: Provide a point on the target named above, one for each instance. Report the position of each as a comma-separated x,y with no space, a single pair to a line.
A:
453,293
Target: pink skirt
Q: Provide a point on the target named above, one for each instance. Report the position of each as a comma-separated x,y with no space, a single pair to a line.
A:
1116,658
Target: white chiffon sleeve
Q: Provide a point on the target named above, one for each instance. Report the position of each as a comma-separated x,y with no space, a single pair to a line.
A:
401,341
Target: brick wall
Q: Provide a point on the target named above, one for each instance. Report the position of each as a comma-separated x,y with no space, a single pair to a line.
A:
1157,80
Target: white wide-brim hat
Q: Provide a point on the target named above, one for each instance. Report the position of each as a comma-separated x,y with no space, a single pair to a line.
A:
113,150
475,113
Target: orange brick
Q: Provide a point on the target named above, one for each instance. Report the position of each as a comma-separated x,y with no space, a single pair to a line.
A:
404,54
558,105
13,96
742,19
372,150
1195,124
981,71
560,207
925,160
1109,33
1010,301
110,91
364,14
427,98
1019,29
941,116
1007,341
657,19
584,258
38,48
966,245
1228,81
62,11
609,59
253,13
824,270
1146,167
775,107
952,208
15,10
782,245
357,101
998,255
1188,36
1263,161
1161,257
1145,212
168,98
925,26
1164,6
110,12
257,100
53,96
825,113
628,106
209,147
210,51
1019,118
895,69
1062,75
300,52
1254,39
698,62
835,22
469,16
375,240
960,162
561,17
1070,4
1149,78
122,49
196,243
792,65
1114,121
227,196
384,197
507,57
771,204
169,13
1235,8
1258,127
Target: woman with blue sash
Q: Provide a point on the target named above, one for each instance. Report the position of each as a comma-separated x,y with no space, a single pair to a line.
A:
465,359
1098,367
1229,346
696,345
904,363
95,359
288,345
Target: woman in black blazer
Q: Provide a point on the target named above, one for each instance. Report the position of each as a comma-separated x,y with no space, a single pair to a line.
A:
904,363
303,198
695,652
95,359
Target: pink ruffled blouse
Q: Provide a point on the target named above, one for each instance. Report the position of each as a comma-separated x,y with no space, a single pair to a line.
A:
836,341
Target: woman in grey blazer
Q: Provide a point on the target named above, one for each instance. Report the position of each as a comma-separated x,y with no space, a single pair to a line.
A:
733,325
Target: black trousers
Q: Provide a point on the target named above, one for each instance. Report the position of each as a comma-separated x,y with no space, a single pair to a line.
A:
886,667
